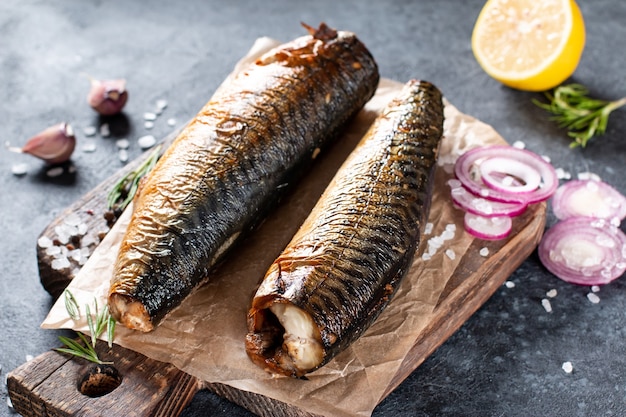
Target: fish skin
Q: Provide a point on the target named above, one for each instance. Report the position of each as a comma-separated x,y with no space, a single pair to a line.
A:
349,256
224,171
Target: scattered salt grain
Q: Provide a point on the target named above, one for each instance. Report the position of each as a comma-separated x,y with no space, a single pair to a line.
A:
53,250
484,252
428,229
89,130
552,293
567,367
60,263
148,125
546,158
105,131
89,146
122,143
519,144
146,142
29,358
19,169
562,174
546,305
509,284
450,254
54,172
10,404
72,219
595,288
161,104
149,116
588,176
44,242
123,155
593,298
171,121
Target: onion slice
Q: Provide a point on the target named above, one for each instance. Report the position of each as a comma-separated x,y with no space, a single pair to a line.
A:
590,198
510,171
477,205
467,170
584,250
488,228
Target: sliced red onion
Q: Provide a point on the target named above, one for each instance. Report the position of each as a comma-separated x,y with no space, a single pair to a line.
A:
488,228
589,198
468,172
510,173
584,250
477,205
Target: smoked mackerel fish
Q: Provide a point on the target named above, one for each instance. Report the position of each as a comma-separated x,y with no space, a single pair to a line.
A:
346,261
227,167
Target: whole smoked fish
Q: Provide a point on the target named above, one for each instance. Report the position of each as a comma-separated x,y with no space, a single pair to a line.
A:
347,259
226,168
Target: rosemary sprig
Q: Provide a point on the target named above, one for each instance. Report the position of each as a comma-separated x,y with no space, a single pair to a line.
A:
124,190
96,323
584,117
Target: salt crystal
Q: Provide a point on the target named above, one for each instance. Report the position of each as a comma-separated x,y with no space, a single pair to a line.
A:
146,142
593,298
122,143
519,144
426,256
29,358
105,131
567,367
88,240
149,116
89,130
71,169
89,146
10,404
148,125
546,305
161,104
428,229
54,172
484,252
19,169
171,121
546,158
595,288
53,250
450,254
44,242
60,263
73,219
509,284
562,174
123,155
588,176
75,255
552,293
83,228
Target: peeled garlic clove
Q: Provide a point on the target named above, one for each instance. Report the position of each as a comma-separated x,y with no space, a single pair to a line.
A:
54,144
108,97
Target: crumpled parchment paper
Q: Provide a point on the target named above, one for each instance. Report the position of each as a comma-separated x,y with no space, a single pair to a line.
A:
204,337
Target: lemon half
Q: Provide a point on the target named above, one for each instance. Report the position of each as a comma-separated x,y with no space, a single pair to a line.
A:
531,45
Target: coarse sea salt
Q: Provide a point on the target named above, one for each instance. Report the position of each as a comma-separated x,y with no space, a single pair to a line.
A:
171,122
89,146
567,367
509,284
122,143
546,305
552,293
105,130
149,116
450,254
484,252
146,141
89,130
122,154
54,172
595,288
19,169
593,298
44,242
148,125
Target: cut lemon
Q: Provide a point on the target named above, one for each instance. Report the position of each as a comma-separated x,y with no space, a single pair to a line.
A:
531,45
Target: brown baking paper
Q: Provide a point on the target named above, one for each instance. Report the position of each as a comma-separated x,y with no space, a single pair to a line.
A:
204,337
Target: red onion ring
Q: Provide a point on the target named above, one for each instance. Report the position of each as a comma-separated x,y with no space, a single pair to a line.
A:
584,250
481,206
589,198
465,171
512,170
488,228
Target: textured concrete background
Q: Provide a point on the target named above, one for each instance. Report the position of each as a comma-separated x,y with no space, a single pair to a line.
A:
505,361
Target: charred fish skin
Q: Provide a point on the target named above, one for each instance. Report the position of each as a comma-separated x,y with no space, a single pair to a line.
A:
346,261
228,165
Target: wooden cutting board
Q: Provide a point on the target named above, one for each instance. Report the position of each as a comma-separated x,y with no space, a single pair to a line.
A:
46,385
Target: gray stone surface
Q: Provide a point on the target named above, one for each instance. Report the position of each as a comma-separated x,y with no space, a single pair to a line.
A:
505,361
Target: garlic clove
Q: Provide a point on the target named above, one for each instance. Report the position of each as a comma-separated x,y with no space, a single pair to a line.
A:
108,97
53,145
